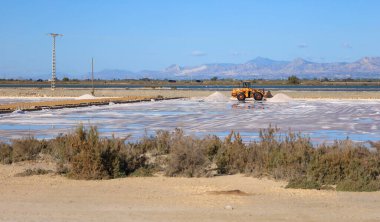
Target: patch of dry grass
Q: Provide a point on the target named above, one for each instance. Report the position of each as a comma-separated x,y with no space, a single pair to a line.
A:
31,172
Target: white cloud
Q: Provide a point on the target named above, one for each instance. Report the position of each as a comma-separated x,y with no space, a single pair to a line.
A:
198,53
302,45
238,54
347,45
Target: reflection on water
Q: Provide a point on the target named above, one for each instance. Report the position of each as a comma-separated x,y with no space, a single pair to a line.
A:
249,105
321,120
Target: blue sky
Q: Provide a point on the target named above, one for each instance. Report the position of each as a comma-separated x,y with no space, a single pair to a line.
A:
138,35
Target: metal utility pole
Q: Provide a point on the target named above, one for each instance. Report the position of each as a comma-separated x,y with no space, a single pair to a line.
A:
53,74
92,76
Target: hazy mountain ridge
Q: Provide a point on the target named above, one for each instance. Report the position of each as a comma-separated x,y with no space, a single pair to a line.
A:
367,67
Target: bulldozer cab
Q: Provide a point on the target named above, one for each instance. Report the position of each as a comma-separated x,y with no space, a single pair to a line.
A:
246,85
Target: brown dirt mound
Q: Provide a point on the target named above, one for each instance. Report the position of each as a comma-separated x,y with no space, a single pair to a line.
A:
229,192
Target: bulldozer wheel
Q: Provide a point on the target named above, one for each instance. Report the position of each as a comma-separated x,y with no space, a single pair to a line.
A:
241,97
258,96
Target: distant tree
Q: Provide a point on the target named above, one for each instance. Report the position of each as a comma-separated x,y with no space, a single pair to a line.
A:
325,79
214,78
293,80
65,79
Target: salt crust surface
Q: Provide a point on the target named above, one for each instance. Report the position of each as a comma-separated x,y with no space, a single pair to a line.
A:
319,119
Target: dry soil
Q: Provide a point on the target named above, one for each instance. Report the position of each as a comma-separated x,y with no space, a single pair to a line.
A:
225,198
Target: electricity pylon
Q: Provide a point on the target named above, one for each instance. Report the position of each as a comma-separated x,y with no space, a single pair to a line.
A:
53,74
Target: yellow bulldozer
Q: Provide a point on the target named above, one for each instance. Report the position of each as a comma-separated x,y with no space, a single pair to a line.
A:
246,91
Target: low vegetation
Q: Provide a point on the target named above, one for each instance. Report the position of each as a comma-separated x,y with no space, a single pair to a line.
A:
293,80
31,172
343,165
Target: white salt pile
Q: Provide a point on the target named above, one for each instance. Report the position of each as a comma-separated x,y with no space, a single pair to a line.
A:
216,97
280,98
85,96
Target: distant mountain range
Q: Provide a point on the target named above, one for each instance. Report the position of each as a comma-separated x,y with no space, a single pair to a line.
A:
367,67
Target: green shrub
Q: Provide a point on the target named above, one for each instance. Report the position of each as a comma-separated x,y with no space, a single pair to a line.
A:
303,183
142,172
360,185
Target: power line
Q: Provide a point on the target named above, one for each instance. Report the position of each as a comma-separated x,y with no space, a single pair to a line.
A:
92,76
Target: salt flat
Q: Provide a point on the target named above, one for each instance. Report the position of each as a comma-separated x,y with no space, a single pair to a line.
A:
320,119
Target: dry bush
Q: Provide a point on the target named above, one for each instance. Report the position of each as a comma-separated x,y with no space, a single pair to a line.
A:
231,157
292,157
212,145
345,164
376,146
61,148
296,153
277,157
349,166
157,145
5,153
135,158
84,155
262,154
95,158
27,149
187,156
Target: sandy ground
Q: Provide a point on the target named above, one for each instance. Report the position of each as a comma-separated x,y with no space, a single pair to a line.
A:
117,92
56,198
